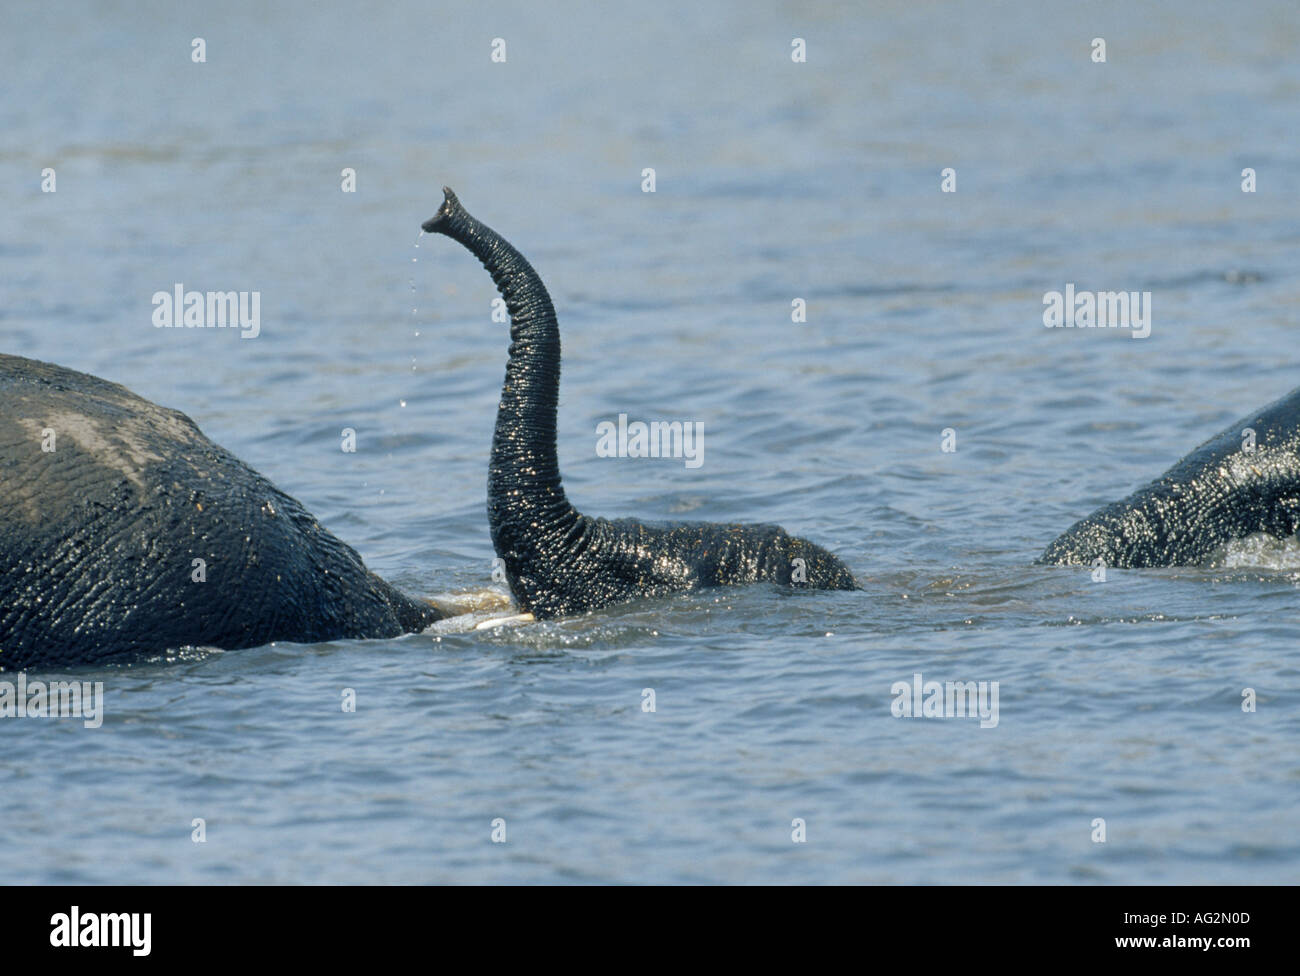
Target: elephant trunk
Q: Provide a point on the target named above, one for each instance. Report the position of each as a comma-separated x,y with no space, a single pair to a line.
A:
531,520
557,561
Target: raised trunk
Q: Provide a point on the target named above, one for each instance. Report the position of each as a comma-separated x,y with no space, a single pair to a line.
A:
531,520
558,561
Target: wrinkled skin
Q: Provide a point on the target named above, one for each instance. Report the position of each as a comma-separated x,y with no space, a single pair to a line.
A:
1218,493
558,561
98,538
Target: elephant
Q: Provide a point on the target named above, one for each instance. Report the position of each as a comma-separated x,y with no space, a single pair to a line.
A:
125,532
1243,481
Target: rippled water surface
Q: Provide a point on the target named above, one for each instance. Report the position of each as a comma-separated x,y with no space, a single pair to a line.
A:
776,180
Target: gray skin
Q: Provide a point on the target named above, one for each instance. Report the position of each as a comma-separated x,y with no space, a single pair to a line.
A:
557,560
1217,493
98,537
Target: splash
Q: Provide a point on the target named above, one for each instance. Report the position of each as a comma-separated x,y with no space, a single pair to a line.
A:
1260,551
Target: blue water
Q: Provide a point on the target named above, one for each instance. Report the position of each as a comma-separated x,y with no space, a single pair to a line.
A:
1119,700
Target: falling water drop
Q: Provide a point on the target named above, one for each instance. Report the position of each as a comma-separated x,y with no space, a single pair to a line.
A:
415,310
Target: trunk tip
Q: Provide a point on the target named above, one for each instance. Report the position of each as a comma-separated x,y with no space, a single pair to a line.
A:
450,206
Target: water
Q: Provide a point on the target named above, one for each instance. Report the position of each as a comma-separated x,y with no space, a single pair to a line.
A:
1118,700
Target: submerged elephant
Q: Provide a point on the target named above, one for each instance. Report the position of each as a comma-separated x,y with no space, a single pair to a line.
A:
1244,481
557,560
124,532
